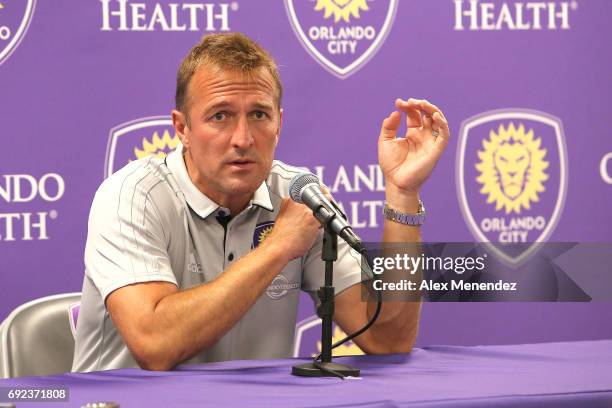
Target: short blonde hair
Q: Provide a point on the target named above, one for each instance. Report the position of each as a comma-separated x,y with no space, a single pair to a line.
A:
228,51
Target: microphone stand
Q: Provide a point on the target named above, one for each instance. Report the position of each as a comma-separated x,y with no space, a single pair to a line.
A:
326,368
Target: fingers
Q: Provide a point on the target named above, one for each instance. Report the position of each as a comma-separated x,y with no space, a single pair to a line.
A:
420,113
327,193
290,210
413,114
390,126
427,122
432,116
439,122
428,107
422,106
295,229
441,126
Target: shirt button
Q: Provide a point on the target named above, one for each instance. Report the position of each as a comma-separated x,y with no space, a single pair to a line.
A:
230,257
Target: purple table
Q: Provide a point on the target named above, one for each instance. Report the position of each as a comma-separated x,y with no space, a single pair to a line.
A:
576,374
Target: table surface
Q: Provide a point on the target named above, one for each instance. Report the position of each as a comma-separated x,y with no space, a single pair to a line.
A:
547,374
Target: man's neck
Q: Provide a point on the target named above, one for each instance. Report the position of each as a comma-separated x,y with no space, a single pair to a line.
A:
235,203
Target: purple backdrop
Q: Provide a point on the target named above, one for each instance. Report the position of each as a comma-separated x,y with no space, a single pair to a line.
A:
83,83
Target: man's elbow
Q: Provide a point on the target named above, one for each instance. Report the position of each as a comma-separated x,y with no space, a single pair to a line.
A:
152,357
154,364
404,347
391,346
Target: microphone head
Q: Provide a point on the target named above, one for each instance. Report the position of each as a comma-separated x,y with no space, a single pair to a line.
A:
298,183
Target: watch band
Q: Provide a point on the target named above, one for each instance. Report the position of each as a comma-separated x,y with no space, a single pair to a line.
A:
406,219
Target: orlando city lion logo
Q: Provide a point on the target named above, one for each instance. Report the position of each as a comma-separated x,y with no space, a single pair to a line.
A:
262,231
512,168
512,179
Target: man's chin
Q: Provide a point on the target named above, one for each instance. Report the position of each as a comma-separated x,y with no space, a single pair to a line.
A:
240,186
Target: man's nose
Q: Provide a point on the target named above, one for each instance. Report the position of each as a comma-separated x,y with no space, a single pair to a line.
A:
242,138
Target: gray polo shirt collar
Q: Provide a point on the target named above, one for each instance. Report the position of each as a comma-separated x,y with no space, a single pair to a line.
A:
198,201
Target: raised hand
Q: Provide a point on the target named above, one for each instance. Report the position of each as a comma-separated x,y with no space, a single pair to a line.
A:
408,161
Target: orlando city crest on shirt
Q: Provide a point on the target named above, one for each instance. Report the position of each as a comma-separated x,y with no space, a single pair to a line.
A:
512,179
15,17
150,136
262,231
341,35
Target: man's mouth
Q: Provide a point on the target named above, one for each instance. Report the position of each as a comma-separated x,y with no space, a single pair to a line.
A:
241,163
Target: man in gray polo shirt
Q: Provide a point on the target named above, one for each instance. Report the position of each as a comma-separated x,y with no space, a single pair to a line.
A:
200,256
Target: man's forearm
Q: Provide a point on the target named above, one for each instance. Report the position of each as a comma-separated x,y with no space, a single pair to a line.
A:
163,326
187,322
398,321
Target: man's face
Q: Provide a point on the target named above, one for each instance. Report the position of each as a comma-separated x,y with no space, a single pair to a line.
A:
232,134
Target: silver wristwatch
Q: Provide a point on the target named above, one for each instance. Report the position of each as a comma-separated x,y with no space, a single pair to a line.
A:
407,219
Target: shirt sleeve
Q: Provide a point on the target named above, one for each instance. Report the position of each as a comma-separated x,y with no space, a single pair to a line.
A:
347,269
126,241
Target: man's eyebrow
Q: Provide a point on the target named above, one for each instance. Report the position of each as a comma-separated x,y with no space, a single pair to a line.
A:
263,106
225,104
218,105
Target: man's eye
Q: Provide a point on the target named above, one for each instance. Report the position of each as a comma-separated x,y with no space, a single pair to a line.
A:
260,115
219,116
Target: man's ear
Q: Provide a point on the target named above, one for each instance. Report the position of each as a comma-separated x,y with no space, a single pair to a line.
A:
179,121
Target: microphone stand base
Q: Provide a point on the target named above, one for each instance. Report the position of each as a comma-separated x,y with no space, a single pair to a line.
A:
310,370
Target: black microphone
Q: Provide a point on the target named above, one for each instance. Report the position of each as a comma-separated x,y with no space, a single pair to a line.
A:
306,189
